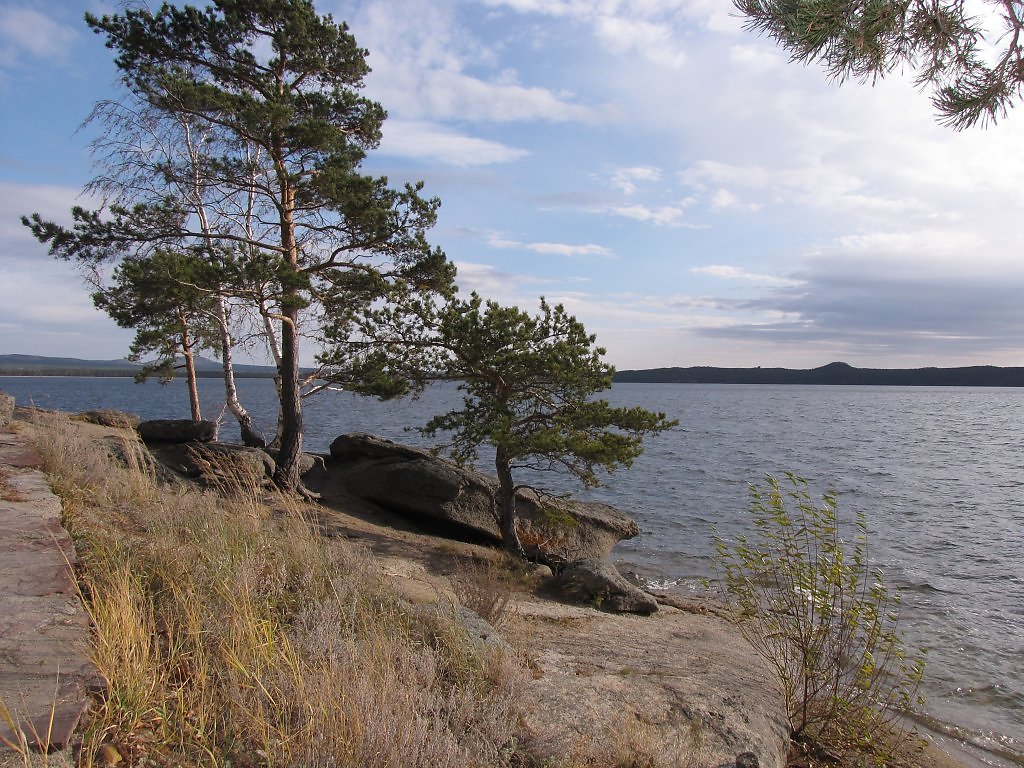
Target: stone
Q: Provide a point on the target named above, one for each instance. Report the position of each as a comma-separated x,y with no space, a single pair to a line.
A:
108,754
747,760
460,501
45,668
596,582
480,631
216,463
177,431
6,409
108,417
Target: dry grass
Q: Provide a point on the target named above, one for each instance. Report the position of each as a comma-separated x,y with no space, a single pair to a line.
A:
485,587
230,634
630,742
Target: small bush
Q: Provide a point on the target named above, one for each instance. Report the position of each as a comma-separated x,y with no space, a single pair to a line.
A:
825,622
485,587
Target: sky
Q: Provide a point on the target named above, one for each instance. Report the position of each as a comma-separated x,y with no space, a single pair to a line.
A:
691,195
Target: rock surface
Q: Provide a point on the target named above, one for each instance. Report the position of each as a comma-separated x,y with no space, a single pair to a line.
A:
108,417
673,689
679,688
419,484
45,670
177,431
598,583
215,463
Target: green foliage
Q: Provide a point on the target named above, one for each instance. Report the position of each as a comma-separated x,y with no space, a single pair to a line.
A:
826,624
528,382
157,297
944,41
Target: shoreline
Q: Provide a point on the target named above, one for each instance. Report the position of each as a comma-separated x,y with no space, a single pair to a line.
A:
965,755
417,548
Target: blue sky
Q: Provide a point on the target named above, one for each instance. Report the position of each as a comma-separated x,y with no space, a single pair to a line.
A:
689,194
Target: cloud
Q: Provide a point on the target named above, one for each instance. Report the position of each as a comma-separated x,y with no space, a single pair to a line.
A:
405,138
16,200
624,179
644,29
428,66
454,95
552,249
736,273
653,40
874,316
25,32
723,199
664,216
499,285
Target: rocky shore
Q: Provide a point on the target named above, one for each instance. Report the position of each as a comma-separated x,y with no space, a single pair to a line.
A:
606,657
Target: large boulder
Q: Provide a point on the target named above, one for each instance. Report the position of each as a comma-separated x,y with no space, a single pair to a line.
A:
596,582
217,464
6,409
419,484
108,417
177,431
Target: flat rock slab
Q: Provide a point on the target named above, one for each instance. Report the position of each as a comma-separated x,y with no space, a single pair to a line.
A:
45,670
14,452
682,689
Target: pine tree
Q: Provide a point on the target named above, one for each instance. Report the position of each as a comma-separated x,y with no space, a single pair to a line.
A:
528,384
945,42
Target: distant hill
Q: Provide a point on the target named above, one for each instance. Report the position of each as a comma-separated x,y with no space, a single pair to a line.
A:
37,365
833,373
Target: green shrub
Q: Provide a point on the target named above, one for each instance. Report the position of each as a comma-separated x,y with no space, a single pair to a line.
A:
824,622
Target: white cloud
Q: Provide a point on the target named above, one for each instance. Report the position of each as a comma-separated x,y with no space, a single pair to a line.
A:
625,36
664,216
456,95
16,200
27,32
499,285
624,179
405,138
426,66
723,199
646,29
737,273
551,249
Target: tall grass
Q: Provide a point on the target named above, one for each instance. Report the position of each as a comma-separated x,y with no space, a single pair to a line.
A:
228,632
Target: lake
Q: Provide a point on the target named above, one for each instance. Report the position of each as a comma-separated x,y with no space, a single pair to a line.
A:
938,472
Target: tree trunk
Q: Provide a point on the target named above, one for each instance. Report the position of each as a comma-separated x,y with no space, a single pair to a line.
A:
506,505
274,345
250,436
190,368
290,436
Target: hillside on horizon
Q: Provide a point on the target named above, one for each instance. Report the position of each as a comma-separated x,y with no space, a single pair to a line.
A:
837,373
40,365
